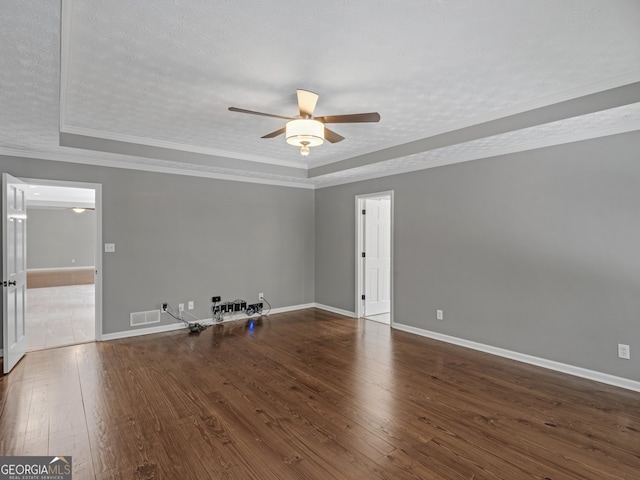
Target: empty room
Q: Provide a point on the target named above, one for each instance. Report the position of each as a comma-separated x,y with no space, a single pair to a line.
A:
321,240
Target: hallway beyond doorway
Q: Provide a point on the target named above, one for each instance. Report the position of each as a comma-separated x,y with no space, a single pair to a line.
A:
58,316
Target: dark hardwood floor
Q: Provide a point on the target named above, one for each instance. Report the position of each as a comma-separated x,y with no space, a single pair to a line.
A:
312,395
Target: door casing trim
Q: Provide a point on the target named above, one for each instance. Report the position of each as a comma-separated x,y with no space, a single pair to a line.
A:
97,187
359,205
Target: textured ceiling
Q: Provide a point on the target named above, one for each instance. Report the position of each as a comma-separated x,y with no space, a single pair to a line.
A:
61,197
146,84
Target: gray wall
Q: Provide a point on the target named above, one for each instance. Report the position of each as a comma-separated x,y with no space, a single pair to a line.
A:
60,238
534,252
181,238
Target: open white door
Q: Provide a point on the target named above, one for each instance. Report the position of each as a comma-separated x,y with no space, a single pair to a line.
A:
377,259
14,270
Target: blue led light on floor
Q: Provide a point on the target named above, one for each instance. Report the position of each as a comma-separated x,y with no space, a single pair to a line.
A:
251,325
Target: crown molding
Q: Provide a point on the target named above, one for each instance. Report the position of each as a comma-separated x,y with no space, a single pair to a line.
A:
523,147
572,94
132,163
149,167
150,142
579,107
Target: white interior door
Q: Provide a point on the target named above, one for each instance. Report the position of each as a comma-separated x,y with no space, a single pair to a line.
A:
377,259
14,270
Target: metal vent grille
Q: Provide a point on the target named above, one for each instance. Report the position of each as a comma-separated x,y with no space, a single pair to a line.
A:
144,318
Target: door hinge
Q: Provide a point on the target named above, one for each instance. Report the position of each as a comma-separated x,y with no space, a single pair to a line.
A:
364,212
364,254
362,297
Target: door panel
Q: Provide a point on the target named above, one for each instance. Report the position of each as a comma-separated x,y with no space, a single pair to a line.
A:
377,247
14,266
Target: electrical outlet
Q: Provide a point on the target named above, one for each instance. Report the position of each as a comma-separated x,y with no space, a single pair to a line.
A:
440,314
181,307
624,351
261,296
163,307
190,306
216,299
254,308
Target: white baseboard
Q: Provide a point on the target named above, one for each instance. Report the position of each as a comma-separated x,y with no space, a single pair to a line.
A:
339,311
521,357
206,321
141,331
293,308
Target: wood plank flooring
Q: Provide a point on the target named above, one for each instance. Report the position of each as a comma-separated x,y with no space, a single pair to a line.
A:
312,395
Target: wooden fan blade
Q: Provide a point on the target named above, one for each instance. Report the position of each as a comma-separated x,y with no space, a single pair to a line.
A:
332,136
351,118
274,134
242,110
307,102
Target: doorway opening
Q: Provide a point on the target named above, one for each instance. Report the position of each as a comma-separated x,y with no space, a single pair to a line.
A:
63,263
374,256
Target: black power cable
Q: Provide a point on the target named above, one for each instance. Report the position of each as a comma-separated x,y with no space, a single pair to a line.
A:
196,327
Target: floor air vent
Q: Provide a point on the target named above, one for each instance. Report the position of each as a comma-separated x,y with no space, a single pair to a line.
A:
144,318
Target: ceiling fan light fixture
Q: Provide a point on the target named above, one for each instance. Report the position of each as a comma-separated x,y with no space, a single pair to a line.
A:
304,133
305,130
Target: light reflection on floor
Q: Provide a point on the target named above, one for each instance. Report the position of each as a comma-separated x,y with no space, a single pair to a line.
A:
373,373
381,317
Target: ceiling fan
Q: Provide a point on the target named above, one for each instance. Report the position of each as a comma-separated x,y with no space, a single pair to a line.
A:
305,130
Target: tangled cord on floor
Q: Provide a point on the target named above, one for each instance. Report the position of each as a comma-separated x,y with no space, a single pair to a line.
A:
196,327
